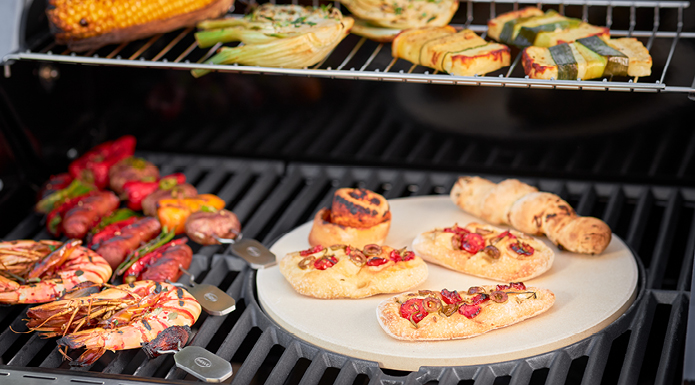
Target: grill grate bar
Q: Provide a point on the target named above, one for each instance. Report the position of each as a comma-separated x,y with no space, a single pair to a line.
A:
640,216
673,45
662,248
673,343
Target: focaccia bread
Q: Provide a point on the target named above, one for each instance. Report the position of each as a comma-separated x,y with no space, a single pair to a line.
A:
446,315
523,207
357,217
485,251
342,271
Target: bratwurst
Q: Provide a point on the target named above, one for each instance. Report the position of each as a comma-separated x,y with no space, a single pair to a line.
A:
116,249
80,219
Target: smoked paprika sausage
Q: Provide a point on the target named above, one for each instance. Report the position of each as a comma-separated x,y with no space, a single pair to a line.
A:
80,219
166,266
129,238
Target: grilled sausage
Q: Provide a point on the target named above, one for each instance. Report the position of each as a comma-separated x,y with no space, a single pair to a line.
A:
80,219
130,238
202,226
167,265
131,169
184,190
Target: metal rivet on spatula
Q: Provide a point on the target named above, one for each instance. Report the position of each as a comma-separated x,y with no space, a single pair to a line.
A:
203,364
213,300
252,251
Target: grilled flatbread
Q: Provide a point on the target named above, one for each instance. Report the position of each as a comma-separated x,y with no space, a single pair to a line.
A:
341,271
485,251
446,315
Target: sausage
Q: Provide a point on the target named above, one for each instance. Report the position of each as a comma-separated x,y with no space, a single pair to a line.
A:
80,219
202,226
116,249
184,190
131,169
167,265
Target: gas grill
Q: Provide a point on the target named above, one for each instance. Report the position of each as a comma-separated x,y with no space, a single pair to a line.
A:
277,154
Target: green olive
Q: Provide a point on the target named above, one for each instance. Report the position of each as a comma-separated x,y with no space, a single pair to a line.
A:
372,250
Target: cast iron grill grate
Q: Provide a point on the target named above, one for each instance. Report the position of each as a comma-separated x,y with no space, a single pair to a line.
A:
358,58
644,346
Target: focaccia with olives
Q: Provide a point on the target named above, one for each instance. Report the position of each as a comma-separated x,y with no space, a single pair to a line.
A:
446,315
342,271
485,251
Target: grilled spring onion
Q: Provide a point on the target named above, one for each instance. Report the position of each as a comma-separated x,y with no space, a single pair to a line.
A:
267,23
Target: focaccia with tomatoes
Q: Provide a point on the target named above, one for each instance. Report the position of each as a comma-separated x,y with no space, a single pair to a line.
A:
485,251
446,315
342,271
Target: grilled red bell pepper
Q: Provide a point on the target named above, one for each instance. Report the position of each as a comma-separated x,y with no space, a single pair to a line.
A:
75,189
136,191
108,232
94,165
55,183
54,220
141,264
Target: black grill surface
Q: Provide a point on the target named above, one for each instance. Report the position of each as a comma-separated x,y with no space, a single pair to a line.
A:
644,346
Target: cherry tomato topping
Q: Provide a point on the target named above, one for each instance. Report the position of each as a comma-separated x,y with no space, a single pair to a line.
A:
480,298
325,262
469,311
518,285
472,243
408,256
312,250
507,234
503,287
347,250
451,297
376,261
413,309
395,256
456,230
522,248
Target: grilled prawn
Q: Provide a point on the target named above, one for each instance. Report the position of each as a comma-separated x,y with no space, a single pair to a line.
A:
41,271
118,318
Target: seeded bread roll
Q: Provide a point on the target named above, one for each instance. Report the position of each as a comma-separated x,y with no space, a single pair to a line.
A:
521,206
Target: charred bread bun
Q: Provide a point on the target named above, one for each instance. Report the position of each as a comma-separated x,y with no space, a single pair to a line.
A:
358,208
325,232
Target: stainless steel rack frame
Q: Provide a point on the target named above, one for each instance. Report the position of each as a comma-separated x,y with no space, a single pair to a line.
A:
373,61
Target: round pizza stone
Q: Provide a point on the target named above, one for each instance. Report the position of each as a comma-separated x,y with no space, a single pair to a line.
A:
591,292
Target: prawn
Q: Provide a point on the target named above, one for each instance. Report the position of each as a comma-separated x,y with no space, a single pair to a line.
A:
37,272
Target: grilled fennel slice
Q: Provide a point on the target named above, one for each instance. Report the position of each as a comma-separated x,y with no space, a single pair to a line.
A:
292,39
588,58
403,14
461,53
371,32
530,26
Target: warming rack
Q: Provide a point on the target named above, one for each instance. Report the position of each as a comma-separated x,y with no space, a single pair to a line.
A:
352,60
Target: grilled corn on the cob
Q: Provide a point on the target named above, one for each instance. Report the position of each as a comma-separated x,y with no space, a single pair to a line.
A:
88,24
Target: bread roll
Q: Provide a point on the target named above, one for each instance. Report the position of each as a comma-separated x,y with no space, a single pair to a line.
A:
325,232
521,206
358,208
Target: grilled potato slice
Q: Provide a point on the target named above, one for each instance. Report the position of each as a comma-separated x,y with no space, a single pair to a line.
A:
494,26
538,63
408,44
477,60
640,60
433,52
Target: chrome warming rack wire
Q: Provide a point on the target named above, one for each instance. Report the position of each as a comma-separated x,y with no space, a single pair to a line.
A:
360,58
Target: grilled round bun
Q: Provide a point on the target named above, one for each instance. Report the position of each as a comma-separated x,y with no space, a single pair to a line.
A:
358,208
324,232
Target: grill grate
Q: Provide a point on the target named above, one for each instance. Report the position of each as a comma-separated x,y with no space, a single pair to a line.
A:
359,58
644,346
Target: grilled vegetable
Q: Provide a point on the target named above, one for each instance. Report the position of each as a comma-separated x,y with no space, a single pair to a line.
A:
530,26
285,40
90,24
173,213
372,32
403,14
463,53
95,164
136,191
75,189
587,58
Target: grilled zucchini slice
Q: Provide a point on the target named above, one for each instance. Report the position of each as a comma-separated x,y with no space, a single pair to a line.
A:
551,38
595,63
640,62
495,26
408,44
538,63
616,62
